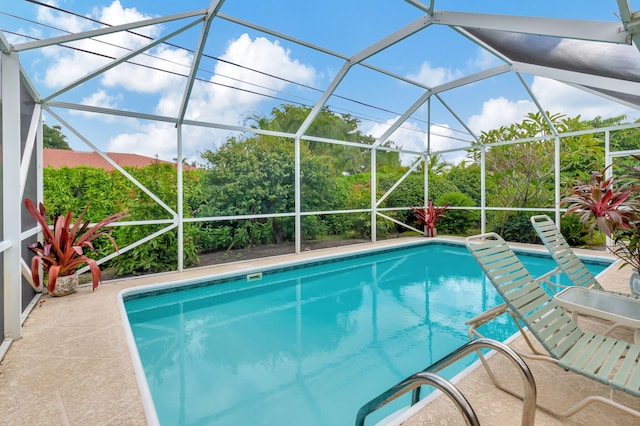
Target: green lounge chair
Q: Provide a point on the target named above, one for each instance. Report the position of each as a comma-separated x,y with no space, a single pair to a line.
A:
564,256
609,361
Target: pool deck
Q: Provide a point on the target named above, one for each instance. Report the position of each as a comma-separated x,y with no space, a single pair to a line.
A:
73,367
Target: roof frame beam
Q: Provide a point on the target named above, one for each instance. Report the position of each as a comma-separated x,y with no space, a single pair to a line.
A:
631,21
482,44
281,35
540,108
369,51
212,10
122,59
316,48
104,31
113,163
423,7
604,95
491,72
28,84
404,117
582,79
5,46
457,117
393,38
323,99
609,32
195,123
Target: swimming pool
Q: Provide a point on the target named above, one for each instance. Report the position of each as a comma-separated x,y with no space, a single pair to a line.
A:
308,344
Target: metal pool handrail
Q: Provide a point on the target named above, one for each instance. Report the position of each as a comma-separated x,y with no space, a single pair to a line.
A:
415,381
428,376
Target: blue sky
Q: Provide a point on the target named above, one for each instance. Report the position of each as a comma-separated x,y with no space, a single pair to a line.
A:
432,57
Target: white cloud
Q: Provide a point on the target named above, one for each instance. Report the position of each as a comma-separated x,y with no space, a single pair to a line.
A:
557,97
155,139
216,103
210,101
65,21
443,138
147,80
101,99
500,111
483,60
67,65
411,137
260,54
432,77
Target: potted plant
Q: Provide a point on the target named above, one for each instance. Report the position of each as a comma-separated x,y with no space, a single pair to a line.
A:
613,206
63,250
429,217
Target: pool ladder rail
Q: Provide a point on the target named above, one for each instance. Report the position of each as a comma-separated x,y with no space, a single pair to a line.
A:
428,377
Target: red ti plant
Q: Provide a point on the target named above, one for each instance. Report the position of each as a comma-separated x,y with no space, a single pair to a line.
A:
63,250
614,207
429,216
605,201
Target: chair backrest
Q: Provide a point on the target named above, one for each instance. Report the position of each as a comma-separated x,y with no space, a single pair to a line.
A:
524,296
562,253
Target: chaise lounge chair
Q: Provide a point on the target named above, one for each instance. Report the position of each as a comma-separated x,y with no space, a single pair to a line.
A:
564,256
572,266
604,359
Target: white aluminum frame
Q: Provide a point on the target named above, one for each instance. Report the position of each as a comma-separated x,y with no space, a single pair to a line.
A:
15,170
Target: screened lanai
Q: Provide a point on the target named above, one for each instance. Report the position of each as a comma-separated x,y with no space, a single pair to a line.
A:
419,82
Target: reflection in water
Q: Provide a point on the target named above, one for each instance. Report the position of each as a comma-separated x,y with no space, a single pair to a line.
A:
309,345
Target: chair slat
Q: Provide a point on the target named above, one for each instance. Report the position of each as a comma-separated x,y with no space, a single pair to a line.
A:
595,356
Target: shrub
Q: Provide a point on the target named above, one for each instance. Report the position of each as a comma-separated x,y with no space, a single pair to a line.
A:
573,230
457,221
517,228
210,238
313,227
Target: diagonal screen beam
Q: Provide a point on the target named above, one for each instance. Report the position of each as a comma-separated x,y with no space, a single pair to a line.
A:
211,12
102,31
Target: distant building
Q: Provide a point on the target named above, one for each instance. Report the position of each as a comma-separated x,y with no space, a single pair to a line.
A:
57,158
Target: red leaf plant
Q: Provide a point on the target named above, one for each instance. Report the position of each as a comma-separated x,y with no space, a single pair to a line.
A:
429,216
614,207
63,250
604,203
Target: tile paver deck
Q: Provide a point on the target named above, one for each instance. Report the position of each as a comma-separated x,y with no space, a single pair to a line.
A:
73,367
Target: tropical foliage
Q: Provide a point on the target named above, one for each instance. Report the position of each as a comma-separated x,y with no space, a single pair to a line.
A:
52,137
63,250
457,221
109,192
613,206
429,216
254,174
602,202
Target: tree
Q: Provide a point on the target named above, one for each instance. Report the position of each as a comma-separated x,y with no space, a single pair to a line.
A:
342,158
467,178
518,175
579,155
255,175
52,137
522,174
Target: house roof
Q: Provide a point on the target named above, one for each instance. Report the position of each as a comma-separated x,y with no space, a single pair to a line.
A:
66,158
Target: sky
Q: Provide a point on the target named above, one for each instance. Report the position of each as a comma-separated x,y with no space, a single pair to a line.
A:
237,76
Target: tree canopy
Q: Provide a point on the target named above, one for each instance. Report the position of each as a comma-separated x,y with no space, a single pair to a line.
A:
52,137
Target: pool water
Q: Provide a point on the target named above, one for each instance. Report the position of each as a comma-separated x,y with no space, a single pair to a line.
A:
310,345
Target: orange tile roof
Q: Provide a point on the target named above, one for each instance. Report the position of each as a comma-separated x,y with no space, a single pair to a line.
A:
66,158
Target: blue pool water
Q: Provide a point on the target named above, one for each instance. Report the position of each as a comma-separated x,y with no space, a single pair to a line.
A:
309,345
